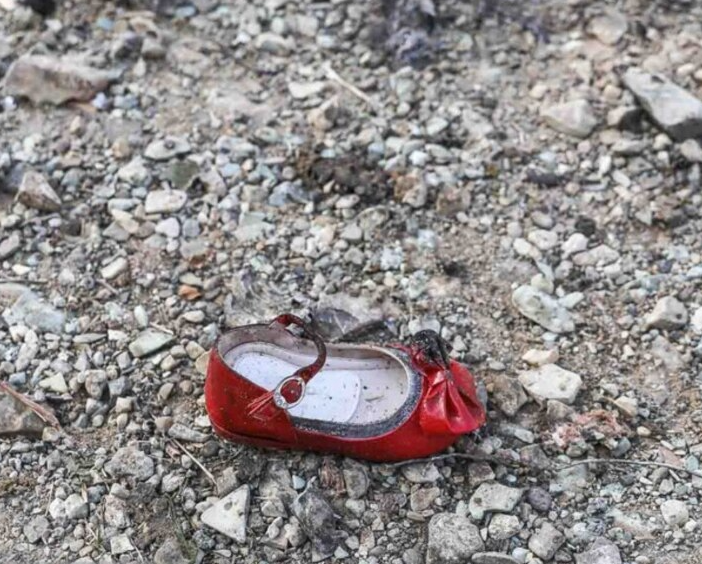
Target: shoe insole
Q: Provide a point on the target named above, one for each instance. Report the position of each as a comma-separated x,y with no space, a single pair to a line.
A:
346,390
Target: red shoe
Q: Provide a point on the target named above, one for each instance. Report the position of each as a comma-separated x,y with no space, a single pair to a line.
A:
363,401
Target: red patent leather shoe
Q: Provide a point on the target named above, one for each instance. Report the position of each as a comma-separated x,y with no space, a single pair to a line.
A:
267,387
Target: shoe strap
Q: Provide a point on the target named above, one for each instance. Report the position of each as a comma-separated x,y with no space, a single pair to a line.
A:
291,390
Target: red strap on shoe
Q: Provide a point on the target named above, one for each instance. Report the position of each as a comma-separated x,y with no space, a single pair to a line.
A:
290,391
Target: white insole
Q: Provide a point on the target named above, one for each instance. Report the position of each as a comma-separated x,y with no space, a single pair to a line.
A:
346,390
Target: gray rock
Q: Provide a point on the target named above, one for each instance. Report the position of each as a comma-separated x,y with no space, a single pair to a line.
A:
421,473
503,527
691,150
602,255
76,507
493,496
668,314
183,433
674,109
551,382
542,309
115,512
317,520
539,499
172,552
36,528
165,201
356,480
43,78
303,90
508,394
95,383
422,499
546,541
25,306
230,514
167,148
452,539
36,192
10,245
130,461
602,551
493,558
675,512
574,118
149,341
134,172
120,544
609,27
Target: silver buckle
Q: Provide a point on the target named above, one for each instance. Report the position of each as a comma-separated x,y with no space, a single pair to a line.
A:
278,398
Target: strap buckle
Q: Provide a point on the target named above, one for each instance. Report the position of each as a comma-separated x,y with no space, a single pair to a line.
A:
281,401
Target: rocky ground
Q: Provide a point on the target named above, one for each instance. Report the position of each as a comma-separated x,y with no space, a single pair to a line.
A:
533,193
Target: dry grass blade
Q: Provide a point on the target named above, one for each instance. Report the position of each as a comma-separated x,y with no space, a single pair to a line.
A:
43,413
199,464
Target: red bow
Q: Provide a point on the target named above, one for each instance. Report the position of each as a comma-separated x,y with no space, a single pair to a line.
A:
450,405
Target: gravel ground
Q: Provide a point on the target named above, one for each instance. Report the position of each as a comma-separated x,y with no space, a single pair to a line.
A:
533,193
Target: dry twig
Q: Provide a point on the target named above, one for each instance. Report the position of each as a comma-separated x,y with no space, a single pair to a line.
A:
333,75
199,464
44,414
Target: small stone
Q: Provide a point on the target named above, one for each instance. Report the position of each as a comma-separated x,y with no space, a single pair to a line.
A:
356,480
169,227
539,358
543,239
36,529
542,309
576,243
546,541
602,255
421,473
230,514
452,539
76,507
10,246
493,496
171,552
165,201
674,109
183,433
36,192
503,527
493,558
55,383
134,172
675,512
691,150
317,520
303,90
149,341
130,461
574,118
115,512
423,498
539,499
168,148
436,125
274,44
508,394
43,78
115,268
610,27
120,544
602,551
551,382
668,314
